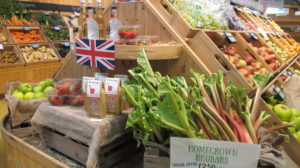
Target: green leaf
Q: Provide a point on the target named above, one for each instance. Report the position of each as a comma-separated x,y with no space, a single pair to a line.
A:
143,62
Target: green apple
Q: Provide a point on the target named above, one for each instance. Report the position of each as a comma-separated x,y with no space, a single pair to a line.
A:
15,91
43,84
296,114
270,106
297,135
28,96
283,112
292,130
18,94
49,82
296,123
37,89
25,87
48,89
38,95
271,100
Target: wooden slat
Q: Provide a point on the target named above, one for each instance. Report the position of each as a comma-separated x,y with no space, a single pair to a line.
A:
66,146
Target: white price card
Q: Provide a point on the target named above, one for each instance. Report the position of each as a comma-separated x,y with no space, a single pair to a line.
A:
1,47
199,153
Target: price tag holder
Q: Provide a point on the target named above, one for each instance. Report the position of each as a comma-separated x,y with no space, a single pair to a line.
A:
200,153
47,13
26,28
277,35
35,46
1,47
17,12
229,37
263,33
57,28
280,95
66,44
253,36
283,35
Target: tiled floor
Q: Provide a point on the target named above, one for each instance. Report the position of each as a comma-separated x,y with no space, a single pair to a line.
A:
3,112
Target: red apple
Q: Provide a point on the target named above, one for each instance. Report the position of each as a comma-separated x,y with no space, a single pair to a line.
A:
282,78
248,60
240,63
244,71
273,66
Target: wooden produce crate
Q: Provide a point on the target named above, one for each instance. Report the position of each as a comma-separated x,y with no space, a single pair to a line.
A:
161,51
21,29
155,158
206,45
59,45
47,45
29,74
246,37
4,34
19,63
59,28
18,153
282,42
174,18
109,155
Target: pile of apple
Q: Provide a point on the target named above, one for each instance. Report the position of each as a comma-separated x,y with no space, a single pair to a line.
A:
247,66
67,92
268,55
248,24
284,55
286,115
27,91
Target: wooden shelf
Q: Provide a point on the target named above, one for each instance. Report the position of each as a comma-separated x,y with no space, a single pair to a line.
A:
154,52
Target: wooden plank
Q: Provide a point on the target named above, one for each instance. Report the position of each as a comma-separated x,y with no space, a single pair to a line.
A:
65,146
151,161
22,132
17,145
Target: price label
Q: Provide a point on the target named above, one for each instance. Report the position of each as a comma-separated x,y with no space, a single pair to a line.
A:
289,73
26,28
17,12
123,78
263,33
46,13
200,153
277,35
253,36
283,35
279,93
1,47
229,37
66,44
57,28
72,16
35,45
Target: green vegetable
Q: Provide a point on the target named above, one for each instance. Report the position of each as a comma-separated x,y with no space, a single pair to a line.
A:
9,8
208,108
63,51
57,35
53,19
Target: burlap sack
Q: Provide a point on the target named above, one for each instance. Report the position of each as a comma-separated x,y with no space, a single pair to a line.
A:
291,89
20,110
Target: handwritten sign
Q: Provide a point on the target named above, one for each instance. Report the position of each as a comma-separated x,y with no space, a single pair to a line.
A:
199,153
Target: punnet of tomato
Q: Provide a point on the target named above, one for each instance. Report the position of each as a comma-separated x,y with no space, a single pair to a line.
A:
67,92
128,32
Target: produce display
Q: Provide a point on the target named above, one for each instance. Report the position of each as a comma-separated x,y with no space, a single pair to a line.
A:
286,45
128,33
67,92
51,19
248,24
3,39
8,57
209,108
268,55
28,36
15,14
201,14
295,45
287,115
57,35
247,66
27,91
42,53
283,54
63,51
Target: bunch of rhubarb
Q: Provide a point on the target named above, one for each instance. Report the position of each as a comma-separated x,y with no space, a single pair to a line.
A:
209,108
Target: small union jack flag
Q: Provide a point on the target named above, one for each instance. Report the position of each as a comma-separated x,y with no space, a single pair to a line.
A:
96,53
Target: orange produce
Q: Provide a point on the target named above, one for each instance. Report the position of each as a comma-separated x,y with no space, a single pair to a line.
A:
14,21
29,36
